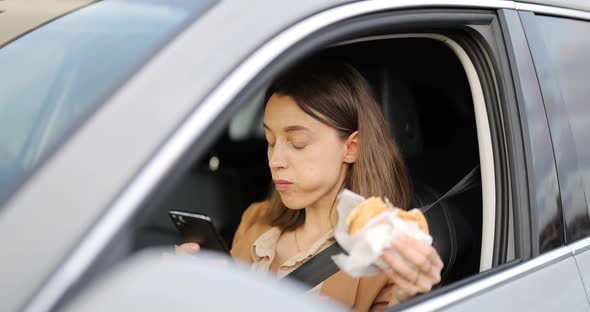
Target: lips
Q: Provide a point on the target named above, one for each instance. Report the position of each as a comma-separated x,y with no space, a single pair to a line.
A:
282,185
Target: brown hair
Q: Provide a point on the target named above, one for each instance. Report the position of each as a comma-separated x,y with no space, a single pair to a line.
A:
337,95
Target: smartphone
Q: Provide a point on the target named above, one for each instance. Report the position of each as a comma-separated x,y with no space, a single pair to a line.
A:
198,228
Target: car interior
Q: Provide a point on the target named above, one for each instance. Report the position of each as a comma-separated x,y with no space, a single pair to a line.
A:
426,97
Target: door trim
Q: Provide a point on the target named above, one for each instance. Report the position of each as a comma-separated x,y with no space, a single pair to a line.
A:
580,246
499,278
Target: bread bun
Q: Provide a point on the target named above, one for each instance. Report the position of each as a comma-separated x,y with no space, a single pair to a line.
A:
373,206
415,215
365,211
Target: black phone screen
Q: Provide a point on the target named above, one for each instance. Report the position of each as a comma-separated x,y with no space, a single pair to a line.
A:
198,228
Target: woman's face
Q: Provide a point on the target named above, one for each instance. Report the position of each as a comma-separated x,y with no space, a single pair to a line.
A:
305,156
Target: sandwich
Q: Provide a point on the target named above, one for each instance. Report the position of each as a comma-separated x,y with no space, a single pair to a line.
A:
374,206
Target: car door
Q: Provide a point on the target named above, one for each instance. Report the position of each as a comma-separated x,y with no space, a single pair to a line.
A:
526,283
560,47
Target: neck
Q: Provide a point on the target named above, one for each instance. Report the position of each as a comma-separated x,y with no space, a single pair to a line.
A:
321,216
319,219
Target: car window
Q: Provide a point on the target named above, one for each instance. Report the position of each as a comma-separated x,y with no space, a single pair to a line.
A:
54,76
247,122
568,54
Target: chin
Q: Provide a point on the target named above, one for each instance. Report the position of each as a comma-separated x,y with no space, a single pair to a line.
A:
292,203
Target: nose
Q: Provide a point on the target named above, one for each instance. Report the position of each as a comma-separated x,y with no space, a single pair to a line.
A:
277,158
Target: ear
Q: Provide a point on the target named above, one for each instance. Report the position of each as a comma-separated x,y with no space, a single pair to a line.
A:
351,152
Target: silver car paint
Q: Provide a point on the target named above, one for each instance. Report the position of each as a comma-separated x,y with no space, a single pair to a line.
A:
90,177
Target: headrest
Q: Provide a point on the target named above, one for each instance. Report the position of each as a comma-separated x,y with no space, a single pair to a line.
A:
399,107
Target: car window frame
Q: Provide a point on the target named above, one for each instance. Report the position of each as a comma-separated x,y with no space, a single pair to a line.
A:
248,91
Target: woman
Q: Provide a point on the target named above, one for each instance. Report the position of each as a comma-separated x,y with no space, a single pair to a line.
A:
326,132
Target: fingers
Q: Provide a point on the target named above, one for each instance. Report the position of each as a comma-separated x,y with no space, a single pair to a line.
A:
421,255
400,266
435,260
409,279
425,282
404,289
408,288
388,273
415,255
415,268
432,255
188,248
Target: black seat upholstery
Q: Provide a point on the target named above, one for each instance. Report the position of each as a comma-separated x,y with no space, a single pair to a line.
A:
240,179
452,234
213,193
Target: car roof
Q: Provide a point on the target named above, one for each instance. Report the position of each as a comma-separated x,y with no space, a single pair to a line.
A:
18,17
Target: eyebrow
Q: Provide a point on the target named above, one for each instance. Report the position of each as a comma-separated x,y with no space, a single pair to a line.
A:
290,128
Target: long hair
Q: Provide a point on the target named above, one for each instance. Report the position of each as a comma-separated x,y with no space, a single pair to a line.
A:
337,95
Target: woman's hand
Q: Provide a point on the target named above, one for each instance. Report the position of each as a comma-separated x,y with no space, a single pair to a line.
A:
416,271
187,248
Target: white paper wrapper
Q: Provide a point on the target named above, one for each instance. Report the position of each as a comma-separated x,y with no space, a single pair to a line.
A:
365,247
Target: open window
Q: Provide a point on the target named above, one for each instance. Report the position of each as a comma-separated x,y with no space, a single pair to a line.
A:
423,85
432,94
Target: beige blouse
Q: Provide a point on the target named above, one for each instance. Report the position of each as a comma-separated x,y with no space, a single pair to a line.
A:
255,243
264,250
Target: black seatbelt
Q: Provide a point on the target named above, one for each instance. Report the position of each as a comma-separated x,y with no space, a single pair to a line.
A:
321,266
467,183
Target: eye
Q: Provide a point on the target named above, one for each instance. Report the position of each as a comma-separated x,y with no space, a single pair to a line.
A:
270,141
298,145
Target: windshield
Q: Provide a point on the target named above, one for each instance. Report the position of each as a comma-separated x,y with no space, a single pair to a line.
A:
53,77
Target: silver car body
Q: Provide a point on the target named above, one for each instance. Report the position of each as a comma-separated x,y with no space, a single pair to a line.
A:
99,178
